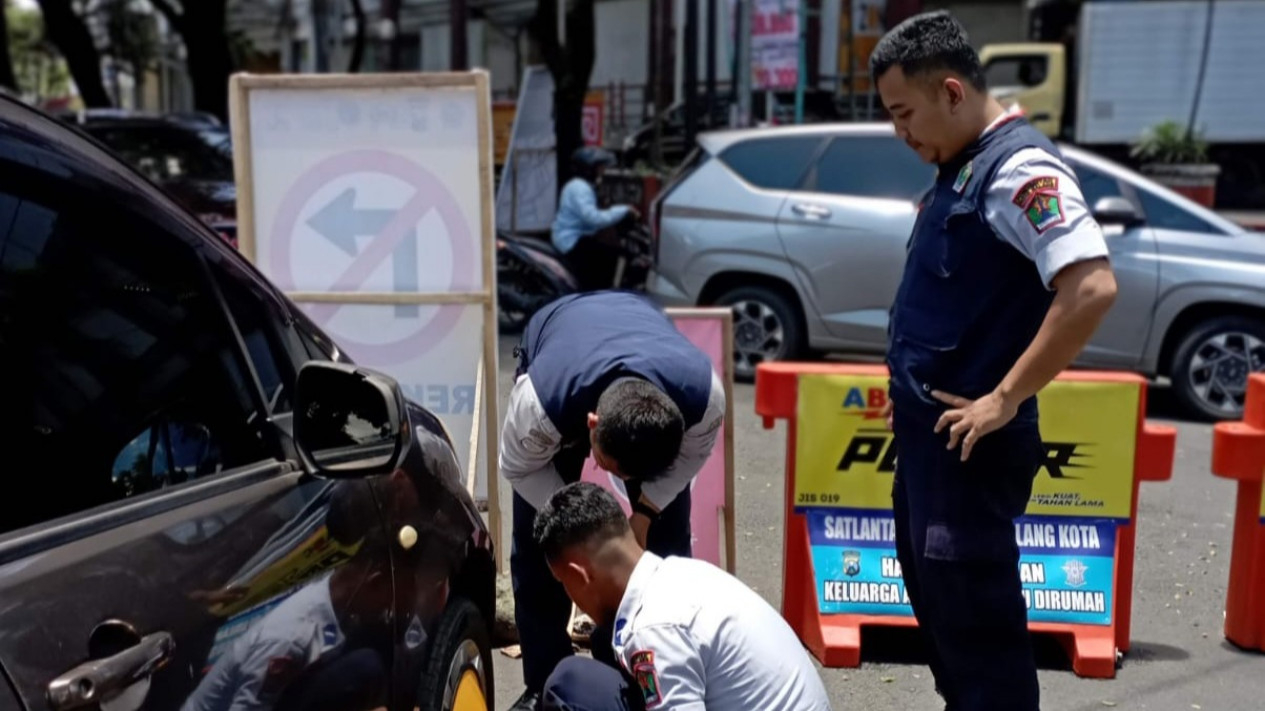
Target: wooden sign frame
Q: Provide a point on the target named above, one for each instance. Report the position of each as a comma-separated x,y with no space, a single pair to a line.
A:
728,520
485,414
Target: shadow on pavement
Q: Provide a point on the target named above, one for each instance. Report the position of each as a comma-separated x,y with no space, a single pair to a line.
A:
900,645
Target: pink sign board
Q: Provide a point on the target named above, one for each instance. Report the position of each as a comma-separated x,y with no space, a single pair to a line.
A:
708,332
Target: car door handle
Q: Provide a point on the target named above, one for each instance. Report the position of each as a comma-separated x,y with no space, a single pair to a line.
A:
817,212
97,680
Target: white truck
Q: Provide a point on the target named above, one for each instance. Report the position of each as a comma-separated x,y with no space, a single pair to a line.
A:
1125,67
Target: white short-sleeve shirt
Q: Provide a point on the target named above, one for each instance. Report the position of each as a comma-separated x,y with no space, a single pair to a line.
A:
1035,204
696,638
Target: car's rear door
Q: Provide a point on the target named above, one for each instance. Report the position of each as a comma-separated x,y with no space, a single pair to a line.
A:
845,229
158,547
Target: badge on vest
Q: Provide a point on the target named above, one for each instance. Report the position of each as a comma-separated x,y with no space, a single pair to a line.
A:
647,677
1041,203
964,177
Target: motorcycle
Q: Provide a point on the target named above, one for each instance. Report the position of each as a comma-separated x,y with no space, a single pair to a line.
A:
530,272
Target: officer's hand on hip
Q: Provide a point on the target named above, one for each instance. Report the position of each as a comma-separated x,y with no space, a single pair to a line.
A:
886,414
968,420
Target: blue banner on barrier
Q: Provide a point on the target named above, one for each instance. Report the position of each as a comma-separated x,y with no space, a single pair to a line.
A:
1066,564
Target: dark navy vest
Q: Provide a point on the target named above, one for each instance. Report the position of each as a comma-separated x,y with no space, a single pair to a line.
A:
969,303
576,346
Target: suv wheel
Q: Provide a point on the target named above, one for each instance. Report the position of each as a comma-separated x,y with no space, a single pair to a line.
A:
458,673
1212,363
767,327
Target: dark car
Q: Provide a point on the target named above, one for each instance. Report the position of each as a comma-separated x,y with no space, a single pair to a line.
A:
210,507
189,155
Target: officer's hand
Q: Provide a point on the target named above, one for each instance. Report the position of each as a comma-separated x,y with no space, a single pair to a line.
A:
641,526
886,414
971,419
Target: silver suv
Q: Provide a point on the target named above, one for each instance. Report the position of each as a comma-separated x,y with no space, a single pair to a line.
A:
802,230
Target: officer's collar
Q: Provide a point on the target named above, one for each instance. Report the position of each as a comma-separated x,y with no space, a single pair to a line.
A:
1001,126
638,582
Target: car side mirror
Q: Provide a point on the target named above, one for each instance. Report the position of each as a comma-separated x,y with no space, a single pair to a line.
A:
1116,210
349,421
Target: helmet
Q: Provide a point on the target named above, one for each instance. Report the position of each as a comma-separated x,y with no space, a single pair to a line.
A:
590,158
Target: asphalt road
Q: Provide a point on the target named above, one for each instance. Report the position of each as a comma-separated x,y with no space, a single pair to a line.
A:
1178,661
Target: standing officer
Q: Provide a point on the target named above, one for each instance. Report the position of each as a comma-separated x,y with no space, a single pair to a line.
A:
605,372
1005,281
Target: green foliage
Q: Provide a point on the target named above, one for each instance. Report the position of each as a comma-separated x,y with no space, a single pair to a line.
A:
1170,143
41,72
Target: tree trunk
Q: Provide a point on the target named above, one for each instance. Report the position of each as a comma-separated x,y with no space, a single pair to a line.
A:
571,66
66,30
7,76
205,35
357,42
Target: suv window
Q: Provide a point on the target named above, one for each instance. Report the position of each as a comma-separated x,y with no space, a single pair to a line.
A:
1095,185
772,163
1165,215
123,377
872,166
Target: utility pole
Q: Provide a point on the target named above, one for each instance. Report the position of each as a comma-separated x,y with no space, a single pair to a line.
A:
742,77
711,60
459,59
320,35
690,47
801,73
391,13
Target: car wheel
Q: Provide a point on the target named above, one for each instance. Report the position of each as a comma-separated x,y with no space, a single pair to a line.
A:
1212,363
767,327
458,672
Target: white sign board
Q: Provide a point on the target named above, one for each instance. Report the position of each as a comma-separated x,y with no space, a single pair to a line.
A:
367,199
526,199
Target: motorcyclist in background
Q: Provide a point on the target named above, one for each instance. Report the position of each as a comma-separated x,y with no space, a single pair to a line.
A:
579,219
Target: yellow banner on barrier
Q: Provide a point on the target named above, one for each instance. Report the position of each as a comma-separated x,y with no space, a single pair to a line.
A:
845,455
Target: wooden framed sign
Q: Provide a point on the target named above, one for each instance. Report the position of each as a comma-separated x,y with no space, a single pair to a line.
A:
367,198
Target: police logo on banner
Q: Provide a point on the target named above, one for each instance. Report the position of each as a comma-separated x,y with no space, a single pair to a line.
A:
852,563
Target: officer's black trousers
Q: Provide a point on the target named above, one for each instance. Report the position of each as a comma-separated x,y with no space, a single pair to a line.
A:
580,684
955,540
541,605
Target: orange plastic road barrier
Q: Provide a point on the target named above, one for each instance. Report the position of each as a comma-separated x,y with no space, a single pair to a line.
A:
1238,452
1076,538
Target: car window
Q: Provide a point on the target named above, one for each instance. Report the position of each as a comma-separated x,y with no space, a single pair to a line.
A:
122,376
1165,215
1023,71
1095,185
772,163
873,166
260,327
166,153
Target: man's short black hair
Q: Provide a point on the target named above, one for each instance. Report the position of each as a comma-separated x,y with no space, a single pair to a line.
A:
577,514
929,42
639,427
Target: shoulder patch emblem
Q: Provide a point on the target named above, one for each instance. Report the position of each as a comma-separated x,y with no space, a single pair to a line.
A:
1041,202
280,672
647,677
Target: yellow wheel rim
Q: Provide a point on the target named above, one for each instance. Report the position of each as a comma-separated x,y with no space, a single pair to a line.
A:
469,693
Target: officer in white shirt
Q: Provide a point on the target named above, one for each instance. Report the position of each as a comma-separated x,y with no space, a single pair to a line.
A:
604,372
688,635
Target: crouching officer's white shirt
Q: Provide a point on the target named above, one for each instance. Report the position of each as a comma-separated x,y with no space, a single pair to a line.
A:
695,637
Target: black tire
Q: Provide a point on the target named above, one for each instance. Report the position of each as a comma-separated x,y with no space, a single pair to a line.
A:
755,308
1201,394
450,654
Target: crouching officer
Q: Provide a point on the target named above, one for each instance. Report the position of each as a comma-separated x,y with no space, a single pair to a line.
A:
1005,281
688,635
605,372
